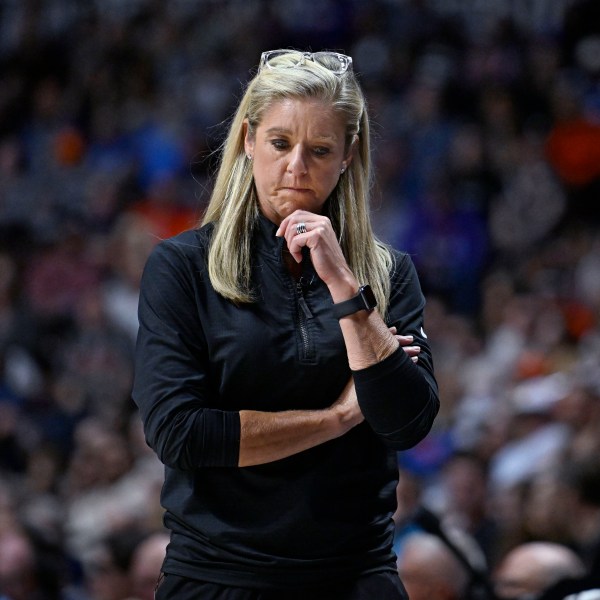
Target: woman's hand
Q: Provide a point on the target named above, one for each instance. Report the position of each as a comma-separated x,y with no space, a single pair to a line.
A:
405,341
325,252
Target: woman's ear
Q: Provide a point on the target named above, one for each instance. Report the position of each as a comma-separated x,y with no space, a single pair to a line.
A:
248,139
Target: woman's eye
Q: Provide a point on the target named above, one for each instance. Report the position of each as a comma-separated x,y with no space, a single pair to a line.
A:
279,144
321,151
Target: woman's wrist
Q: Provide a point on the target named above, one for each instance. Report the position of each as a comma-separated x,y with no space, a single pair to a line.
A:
344,287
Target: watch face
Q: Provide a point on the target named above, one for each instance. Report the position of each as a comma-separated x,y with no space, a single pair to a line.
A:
368,297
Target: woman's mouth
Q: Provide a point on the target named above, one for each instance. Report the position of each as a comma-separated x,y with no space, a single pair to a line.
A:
297,190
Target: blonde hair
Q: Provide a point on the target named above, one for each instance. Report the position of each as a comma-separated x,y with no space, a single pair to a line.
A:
234,209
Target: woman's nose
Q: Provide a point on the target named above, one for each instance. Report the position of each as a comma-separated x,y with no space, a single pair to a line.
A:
297,164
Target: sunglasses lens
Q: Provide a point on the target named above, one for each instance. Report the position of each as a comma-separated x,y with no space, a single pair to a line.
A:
336,63
273,58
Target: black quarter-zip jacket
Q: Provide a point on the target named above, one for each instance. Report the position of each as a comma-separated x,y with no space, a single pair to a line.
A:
320,515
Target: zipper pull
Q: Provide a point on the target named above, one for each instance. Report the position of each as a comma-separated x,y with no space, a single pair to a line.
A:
304,307
302,301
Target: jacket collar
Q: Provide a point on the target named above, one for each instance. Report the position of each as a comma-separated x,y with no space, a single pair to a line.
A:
268,244
265,239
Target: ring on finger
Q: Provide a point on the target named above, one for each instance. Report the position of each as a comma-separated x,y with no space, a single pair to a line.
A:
300,228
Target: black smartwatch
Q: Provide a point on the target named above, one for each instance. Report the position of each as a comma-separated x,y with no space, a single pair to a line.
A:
364,300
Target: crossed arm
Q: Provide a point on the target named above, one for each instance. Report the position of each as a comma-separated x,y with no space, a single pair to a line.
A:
186,434
269,436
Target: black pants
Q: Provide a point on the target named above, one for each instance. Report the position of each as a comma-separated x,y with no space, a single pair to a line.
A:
380,586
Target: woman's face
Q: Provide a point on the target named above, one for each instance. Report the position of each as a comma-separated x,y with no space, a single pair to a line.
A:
298,152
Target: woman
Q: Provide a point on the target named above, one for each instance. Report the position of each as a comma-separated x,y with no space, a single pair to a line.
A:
274,393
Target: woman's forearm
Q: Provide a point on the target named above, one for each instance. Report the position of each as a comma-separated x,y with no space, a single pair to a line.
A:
269,436
266,436
368,339
397,397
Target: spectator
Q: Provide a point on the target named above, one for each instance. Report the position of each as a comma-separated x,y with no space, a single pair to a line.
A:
582,478
532,568
31,568
146,565
430,570
108,565
18,578
465,482
107,488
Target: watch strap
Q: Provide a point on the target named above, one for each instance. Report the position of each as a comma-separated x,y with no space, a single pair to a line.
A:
364,300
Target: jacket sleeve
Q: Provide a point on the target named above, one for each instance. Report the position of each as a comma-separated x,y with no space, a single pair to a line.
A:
399,398
181,420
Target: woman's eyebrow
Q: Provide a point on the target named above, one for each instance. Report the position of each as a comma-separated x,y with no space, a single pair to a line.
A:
284,131
278,130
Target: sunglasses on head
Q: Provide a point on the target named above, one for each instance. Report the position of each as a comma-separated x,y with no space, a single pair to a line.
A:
333,61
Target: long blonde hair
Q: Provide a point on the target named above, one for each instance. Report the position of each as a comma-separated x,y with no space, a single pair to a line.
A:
234,209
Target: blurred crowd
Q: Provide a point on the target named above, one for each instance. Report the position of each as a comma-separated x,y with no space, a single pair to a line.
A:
486,142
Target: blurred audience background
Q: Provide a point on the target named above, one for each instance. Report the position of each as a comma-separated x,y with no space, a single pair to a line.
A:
486,119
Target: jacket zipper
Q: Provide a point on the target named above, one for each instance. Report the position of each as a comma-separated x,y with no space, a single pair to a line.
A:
303,315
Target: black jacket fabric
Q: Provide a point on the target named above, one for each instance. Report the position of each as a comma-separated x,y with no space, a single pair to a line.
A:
320,515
